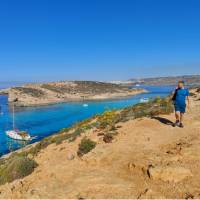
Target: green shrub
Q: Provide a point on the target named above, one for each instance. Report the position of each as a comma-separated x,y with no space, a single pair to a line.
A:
41,145
85,146
75,134
64,130
108,119
107,138
155,107
59,139
16,167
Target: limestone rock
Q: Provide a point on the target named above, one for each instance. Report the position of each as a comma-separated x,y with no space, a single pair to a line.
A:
70,156
171,174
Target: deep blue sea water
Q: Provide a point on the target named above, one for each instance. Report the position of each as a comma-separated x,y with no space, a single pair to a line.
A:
46,120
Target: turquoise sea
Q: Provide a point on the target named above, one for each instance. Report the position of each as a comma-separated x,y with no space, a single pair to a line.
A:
47,120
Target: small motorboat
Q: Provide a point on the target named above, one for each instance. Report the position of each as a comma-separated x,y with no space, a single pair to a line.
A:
137,85
144,100
18,135
85,105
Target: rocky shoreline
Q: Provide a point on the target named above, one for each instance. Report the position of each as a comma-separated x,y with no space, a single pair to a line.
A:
67,91
4,91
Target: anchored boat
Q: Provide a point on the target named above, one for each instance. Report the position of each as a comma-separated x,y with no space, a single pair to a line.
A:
144,100
17,134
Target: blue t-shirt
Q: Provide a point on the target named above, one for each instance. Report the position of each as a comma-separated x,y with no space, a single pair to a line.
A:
181,95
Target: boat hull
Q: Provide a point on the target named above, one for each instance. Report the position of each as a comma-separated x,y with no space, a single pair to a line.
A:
14,135
144,100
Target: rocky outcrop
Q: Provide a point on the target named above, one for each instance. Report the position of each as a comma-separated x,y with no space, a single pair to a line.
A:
55,92
172,174
4,91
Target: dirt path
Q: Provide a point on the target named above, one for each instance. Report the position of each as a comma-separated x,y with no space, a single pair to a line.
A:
148,159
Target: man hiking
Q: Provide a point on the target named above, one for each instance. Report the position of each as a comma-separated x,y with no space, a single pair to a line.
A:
180,96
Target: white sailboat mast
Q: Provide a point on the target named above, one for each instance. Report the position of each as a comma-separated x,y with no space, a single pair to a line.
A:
13,116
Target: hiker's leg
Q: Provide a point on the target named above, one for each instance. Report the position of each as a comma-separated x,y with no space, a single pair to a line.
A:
177,116
181,120
181,117
182,111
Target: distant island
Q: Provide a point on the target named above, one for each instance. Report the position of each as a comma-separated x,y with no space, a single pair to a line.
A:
65,91
170,80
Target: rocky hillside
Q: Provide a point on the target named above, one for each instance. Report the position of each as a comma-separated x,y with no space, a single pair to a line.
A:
172,80
129,153
40,94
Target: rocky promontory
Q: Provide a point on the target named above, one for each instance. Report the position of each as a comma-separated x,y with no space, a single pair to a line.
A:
55,92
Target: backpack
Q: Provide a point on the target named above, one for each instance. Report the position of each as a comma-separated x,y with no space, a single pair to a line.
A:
174,95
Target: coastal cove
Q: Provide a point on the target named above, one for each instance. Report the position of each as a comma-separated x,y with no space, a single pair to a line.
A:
47,120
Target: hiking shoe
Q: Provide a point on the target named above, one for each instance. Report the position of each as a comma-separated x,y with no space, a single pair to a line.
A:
181,125
176,123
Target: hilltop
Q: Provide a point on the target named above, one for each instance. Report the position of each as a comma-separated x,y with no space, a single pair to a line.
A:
171,80
55,92
128,153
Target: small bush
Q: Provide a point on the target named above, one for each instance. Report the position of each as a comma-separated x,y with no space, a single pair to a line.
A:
85,146
75,134
41,145
157,99
64,130
108,138
108,119
60,138
16,167
192,94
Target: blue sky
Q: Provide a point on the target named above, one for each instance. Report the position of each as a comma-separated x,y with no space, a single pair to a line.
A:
44,40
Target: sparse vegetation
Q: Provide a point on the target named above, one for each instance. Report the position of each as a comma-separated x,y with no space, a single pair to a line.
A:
15,167
86,87
30,91
57,89
85,146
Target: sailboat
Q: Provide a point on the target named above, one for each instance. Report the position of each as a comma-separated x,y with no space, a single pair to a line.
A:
17,134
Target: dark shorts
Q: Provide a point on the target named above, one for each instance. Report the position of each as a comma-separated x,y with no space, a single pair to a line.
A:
180,107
